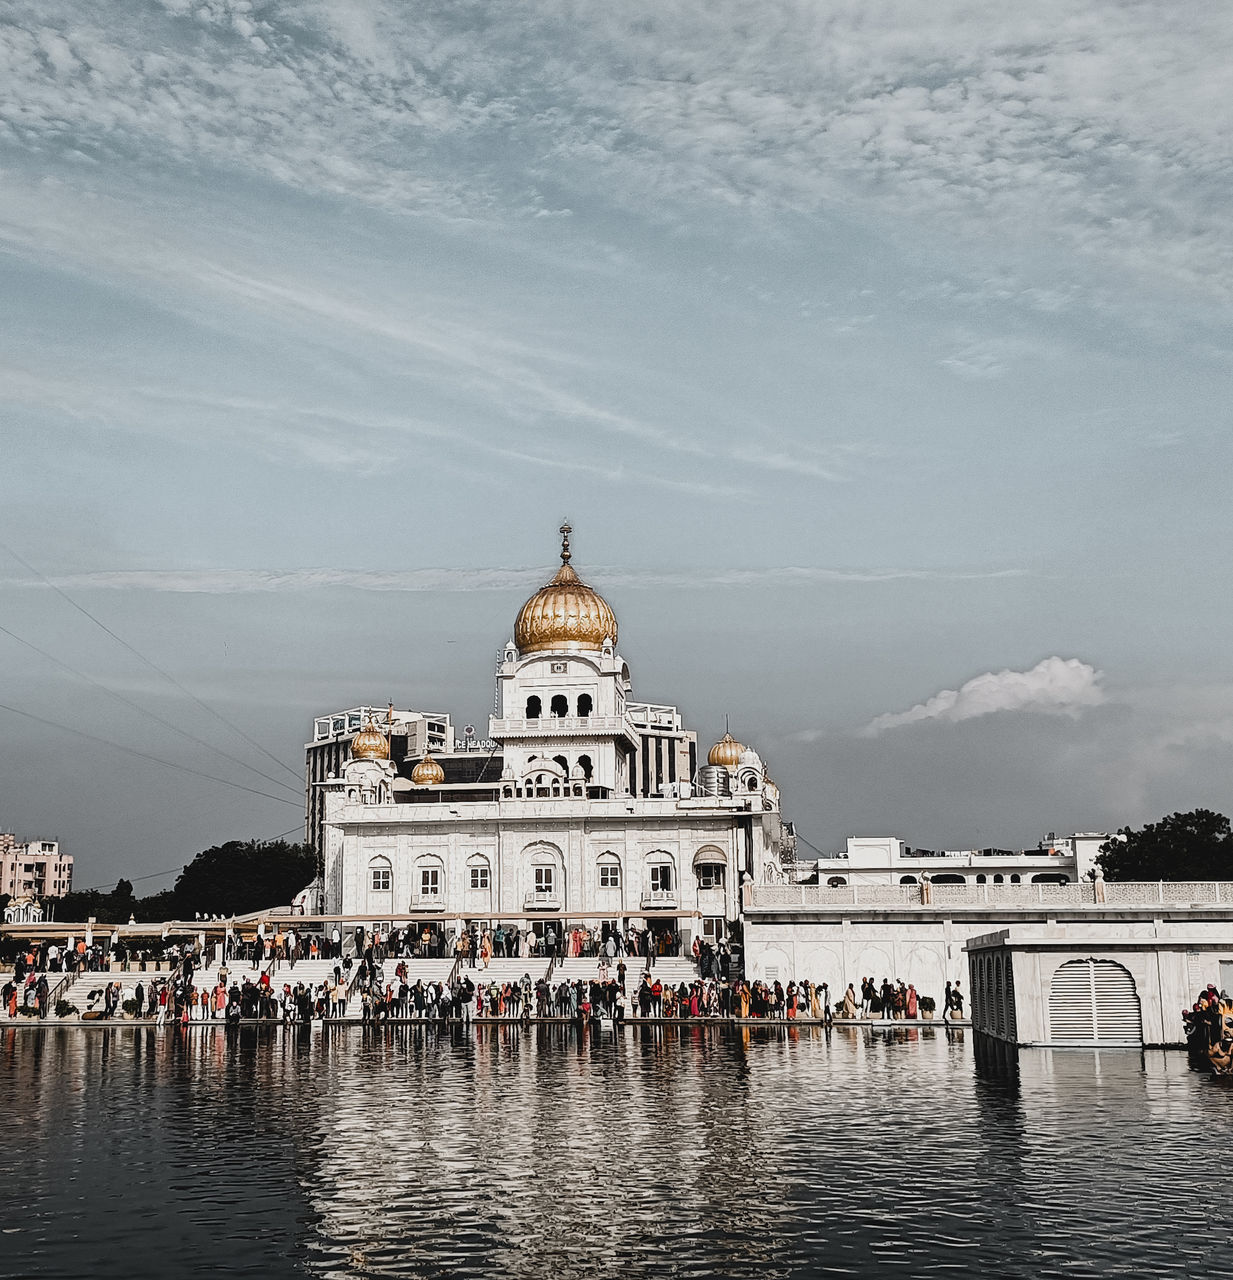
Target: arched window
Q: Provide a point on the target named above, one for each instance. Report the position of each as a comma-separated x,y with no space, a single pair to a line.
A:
560,705
907,879
836,882
534,707
1052,877
949,879
661,872
479,874
609,871
584,763
1015,878
981,878
561,760
997,879
584,705
429,877
380,877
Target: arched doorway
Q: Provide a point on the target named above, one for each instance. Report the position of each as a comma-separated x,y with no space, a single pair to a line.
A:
1094,1002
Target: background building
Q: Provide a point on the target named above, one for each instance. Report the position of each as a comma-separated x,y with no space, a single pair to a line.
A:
34,868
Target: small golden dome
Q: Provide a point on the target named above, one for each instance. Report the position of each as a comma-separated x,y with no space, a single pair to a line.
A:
727,752
370,743
428,773
565,614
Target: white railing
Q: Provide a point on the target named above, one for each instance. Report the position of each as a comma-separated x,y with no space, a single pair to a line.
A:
1115,893
659,898
547,726
545,899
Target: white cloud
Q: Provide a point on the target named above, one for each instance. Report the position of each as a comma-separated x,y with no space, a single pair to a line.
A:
1102,126
1057,686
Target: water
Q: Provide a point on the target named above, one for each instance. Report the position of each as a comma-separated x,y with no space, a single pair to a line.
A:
674,1152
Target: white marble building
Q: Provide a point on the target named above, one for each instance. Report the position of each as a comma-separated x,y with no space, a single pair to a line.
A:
589,807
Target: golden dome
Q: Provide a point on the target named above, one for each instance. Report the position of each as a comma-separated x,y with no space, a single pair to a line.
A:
565,614
370,743
428,773
727,752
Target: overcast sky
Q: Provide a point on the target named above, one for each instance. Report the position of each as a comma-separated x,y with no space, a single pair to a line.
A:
878,352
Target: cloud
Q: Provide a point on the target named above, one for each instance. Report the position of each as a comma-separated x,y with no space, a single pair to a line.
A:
1102,125
248,581
1056,686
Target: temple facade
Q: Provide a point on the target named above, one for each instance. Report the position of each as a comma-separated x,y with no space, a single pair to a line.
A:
586,805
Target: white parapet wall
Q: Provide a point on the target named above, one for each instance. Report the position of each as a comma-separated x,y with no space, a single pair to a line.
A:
919,934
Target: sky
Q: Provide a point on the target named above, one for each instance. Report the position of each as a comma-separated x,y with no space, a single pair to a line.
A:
879,354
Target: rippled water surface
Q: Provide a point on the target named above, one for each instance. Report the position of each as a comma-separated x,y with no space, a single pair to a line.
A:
550,1152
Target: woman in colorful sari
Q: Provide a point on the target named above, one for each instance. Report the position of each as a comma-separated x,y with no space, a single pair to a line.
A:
912,1002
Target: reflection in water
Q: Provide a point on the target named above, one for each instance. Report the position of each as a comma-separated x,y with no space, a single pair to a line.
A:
546,1151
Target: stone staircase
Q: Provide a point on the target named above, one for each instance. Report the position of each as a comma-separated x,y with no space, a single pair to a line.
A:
506,969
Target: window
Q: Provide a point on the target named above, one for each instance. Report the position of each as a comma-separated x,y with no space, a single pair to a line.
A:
479,877
609,875
584,705
560,705
534,708
381,879
587,767
661,878
710,876
543,879
430,882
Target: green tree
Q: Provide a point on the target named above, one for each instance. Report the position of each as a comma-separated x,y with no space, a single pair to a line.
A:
242,876
123,889
1183,846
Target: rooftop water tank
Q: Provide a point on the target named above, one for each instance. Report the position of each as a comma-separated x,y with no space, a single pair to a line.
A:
714,780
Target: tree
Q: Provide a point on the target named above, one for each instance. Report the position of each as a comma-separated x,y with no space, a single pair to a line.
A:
242,876
1183,846
123,889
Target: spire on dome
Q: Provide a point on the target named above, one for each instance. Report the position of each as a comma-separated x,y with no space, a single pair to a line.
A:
565,530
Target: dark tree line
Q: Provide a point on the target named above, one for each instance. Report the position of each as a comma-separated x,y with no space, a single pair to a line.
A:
1183,846
226,879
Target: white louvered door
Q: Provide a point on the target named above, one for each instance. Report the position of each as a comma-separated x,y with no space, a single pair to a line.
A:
1094,1002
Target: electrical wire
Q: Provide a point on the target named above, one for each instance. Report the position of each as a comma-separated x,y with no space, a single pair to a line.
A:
25,564
153,715
144,755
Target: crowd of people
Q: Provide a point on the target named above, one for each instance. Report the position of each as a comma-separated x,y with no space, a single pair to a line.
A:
1209,1030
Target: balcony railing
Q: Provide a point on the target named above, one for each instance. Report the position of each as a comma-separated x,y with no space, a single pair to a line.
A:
1082,893
428,902
542,900
659,898
563,726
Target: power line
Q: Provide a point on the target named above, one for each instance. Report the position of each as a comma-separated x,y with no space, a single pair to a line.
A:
153,715
143,755
158,875
25,564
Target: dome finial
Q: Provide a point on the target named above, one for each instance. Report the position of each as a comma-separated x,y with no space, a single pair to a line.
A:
565,530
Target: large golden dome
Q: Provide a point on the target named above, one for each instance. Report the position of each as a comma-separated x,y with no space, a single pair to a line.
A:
565,614
727,752
428,773
370,743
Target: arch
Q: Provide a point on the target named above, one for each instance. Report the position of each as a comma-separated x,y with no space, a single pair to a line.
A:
981,878
535,708
609,870
585,705
559,706
564,763
479,874
1014,879
1050,877
836,882
380,875
907,879
587,767
661,871
947,877
544,870
429,883
997,879
1094,1002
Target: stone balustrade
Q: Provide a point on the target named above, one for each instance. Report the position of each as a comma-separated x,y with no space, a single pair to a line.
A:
1106,893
